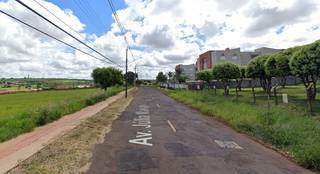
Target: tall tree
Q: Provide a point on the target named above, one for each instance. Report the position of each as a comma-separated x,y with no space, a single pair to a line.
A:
305,64
204,75
107,77
256,69
171,75
161,77
242,76
131,77
277,65
225,72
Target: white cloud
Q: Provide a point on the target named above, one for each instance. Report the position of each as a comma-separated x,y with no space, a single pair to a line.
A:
162,32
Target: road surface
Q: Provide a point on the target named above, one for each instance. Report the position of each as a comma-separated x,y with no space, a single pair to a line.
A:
159,135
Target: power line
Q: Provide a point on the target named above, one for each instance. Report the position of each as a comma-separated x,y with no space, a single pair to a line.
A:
29,8
86,13
93,11
121,27
49,11
51,36
36,1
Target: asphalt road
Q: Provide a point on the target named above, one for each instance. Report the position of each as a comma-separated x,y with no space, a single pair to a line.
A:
159,135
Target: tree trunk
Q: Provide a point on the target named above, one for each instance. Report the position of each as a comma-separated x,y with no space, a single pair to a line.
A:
254,95
239,84
275,95
253,92
310,97
263,83
268,86
226,90
237,93
311,89
284,82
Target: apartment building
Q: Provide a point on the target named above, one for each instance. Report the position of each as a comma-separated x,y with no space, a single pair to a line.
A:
208,59
187,70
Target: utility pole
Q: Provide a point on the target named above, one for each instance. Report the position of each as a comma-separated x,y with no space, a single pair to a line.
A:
126,72
135,75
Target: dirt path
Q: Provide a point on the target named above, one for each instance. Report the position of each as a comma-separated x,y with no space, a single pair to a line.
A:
24,146
156,135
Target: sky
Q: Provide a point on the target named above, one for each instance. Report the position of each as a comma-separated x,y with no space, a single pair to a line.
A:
161,33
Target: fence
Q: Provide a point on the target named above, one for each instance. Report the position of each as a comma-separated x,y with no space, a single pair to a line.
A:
246,83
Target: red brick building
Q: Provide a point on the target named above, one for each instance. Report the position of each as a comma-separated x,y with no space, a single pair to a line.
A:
204,61
210,58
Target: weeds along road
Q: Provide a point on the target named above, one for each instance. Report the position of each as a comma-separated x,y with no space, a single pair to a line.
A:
159,135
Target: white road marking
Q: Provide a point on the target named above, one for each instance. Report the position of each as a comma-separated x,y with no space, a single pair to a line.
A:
228,144
142,121
172,127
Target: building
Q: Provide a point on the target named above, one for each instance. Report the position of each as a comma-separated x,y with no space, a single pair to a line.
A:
187,70
208,59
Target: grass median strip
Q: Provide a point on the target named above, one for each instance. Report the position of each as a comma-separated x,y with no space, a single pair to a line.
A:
73,151
293,133
21,113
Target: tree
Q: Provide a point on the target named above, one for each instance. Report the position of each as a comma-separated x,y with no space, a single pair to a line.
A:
225,72
182,78
161,78
204,75
277,65
305,64
117,76
106,77
256,69
242,76
131,77
170,75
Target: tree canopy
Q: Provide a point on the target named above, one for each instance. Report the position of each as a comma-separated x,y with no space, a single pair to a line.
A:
256,69
204,75
107,77
161,77
131,77
225,72
277,65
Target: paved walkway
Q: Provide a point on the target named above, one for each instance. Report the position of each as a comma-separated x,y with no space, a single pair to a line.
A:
159,135
22,147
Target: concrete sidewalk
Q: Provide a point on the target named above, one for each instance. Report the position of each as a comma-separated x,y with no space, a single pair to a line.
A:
25,145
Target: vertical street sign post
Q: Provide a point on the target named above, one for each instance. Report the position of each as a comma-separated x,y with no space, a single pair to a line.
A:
126,72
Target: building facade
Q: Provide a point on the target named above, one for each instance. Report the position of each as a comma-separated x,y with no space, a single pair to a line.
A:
187,70
208,59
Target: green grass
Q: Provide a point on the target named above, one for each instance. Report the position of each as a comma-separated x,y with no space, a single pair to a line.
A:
21,112
290,131
296,95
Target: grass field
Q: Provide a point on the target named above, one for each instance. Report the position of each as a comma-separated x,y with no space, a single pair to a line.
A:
296,96
286,127
61,156
22,112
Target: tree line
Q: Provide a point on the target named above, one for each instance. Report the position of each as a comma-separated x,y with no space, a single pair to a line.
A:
301,61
